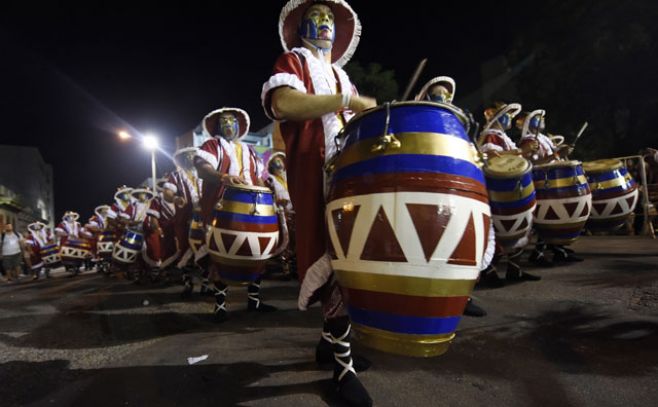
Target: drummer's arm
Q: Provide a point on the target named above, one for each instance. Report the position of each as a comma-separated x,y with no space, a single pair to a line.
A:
213,177
291,104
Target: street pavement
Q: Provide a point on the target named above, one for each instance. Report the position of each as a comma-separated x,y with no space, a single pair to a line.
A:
586,335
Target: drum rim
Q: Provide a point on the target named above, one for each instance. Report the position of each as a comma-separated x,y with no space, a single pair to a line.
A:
496,174
558,164
250,188
618,165
454,109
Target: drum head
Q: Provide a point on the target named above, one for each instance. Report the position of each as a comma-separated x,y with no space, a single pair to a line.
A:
558,164
507,166
609,164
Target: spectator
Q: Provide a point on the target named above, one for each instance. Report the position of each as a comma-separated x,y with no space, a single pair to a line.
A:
11,247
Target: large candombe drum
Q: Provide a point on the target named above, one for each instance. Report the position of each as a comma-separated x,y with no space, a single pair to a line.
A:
130,246
614,194
105,245
197,234
408,219
50,255
243,234
511,197
564,201
74,251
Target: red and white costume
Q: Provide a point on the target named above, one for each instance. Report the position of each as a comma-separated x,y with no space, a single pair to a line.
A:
161,250
69,228
38,238
546,145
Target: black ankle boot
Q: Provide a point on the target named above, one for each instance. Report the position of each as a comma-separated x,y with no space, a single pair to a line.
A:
188,286
489,278
348,385
253,299
474,310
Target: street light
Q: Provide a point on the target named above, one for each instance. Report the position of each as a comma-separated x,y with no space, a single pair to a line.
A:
150,142
124,135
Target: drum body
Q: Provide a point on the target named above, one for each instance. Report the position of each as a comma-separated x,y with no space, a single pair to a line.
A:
614,194
243,234
511,197
50,255
564,201
408,225
130,246
73,252
197,235
105,245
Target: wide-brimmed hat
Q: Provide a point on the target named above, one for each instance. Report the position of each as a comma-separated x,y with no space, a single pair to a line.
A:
211,121
36,226
138,191
499,110
273,156
182,152
347,27
72,214
523,122
439,80
122,190
99,208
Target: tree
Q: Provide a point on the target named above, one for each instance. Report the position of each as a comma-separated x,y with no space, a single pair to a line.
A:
373,80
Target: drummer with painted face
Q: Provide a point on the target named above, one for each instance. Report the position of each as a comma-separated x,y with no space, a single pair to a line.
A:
227,160
543,151
313,98
494,142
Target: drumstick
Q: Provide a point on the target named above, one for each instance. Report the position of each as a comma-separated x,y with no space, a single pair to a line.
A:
414,79
580,133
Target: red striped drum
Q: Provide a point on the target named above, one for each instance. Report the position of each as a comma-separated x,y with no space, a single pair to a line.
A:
243,234
50,255
74,251
130,246
614,194
408,220
564,201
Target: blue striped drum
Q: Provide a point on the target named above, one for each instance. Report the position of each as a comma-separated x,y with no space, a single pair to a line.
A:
614,194
408,219
105,245
511,197
130,246
197,235
564,201
243,234
73,251
50,255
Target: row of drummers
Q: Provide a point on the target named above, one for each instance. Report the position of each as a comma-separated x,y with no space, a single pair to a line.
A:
142,232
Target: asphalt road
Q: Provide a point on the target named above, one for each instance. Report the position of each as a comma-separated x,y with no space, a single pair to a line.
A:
586,335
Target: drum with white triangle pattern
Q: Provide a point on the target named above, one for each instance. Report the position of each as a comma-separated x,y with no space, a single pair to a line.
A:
74,251
408,219
564,201
50,255
130,246
614,194
243,234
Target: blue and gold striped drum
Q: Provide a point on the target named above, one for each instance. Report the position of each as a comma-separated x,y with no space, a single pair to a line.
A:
50,255
564,201
408,219
197,235
614,194
243,234
130,246
74,251
511,197
105,246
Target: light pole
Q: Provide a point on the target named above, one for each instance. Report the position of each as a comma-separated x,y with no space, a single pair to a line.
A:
150,143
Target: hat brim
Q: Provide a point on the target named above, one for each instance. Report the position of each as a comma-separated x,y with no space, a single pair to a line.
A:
347,27
210,123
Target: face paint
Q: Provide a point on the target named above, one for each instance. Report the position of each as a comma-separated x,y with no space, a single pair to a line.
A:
228,126
318,26
439,94
505,121
537,123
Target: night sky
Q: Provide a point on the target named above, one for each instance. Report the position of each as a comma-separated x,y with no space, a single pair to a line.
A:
71,77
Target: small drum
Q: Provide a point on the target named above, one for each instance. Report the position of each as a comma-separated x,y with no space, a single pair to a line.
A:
408,220
511,197
50,255
129,247
614,194
244,233
105,246
74,251
197,235
564,201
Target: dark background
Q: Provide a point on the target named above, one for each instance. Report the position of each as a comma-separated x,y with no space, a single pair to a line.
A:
72,76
